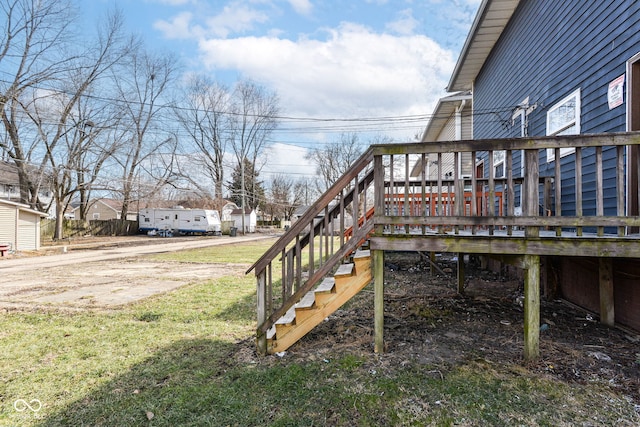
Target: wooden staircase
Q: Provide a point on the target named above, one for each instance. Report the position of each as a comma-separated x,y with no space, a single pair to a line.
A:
319,303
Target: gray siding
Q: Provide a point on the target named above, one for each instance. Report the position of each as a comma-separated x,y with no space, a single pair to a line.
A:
549,49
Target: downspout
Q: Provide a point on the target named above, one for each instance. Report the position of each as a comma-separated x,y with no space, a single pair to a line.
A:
459,119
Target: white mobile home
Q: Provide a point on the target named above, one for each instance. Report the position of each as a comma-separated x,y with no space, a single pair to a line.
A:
179,221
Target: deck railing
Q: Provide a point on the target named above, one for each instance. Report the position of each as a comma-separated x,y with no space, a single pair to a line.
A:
533,196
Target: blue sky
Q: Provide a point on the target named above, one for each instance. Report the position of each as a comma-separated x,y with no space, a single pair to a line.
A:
324,58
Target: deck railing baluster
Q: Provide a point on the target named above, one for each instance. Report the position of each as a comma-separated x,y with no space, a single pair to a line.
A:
407,206
599,189
620,186
423,185
458,195
510,194
298,262
578,186
474,190
491,199
439,192
558,187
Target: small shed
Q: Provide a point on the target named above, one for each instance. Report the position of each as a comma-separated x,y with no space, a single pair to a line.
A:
20,226
250,219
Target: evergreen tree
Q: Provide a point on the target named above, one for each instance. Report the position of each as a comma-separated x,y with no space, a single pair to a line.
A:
254,191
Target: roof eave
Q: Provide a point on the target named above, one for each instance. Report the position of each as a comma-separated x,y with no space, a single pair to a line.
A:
480,41
445,107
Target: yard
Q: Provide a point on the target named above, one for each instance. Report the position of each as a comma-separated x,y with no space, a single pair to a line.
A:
187,357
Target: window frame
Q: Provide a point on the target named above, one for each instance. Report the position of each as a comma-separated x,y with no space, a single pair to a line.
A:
562,130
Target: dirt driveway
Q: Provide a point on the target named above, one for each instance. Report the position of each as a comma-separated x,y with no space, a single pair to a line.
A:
106,273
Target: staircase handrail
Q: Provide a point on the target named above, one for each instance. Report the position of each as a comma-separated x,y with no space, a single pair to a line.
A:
310,214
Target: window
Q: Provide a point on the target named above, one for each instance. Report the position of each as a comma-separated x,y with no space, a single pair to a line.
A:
96,215
564,119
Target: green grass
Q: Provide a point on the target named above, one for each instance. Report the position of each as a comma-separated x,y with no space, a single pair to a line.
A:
186,358
245,253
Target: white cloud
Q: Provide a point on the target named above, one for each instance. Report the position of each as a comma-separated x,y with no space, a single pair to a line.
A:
235,18
179,27
303,7
354,72
405,24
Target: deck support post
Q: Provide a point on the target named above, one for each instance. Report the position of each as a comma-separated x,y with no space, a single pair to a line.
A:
378,304
461,273
262,311
607,312
532,307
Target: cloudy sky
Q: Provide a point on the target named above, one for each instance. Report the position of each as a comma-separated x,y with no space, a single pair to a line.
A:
386,62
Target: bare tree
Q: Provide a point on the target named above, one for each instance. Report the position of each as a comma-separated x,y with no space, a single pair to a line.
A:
62,121
335,159
204,115
33,39
285,196
254,115
146,147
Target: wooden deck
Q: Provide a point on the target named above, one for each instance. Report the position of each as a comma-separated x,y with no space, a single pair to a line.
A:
521,216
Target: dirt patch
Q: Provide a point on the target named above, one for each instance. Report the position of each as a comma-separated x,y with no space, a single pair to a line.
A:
427,322
104,284
105,272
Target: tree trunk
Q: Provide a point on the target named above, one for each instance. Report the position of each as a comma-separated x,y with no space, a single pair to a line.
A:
58,233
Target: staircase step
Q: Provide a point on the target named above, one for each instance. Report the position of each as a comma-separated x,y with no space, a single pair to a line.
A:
362,254
286,322
343,276
326,286
327,300
271,333
362,260
305,307
288,318
344,270
307,301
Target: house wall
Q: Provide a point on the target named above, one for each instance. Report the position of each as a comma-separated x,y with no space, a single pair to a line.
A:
250,222
547,51
104,212
7,224
19,228
28,231
448,133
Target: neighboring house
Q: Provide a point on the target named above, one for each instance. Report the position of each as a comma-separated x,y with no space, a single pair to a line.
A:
20,226
451,121
250,219
226,211
10,184
105,209
549,67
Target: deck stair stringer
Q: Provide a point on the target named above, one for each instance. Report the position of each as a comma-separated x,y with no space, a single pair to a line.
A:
315,306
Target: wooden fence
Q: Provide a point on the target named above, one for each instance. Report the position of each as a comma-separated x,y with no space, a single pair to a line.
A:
76,228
